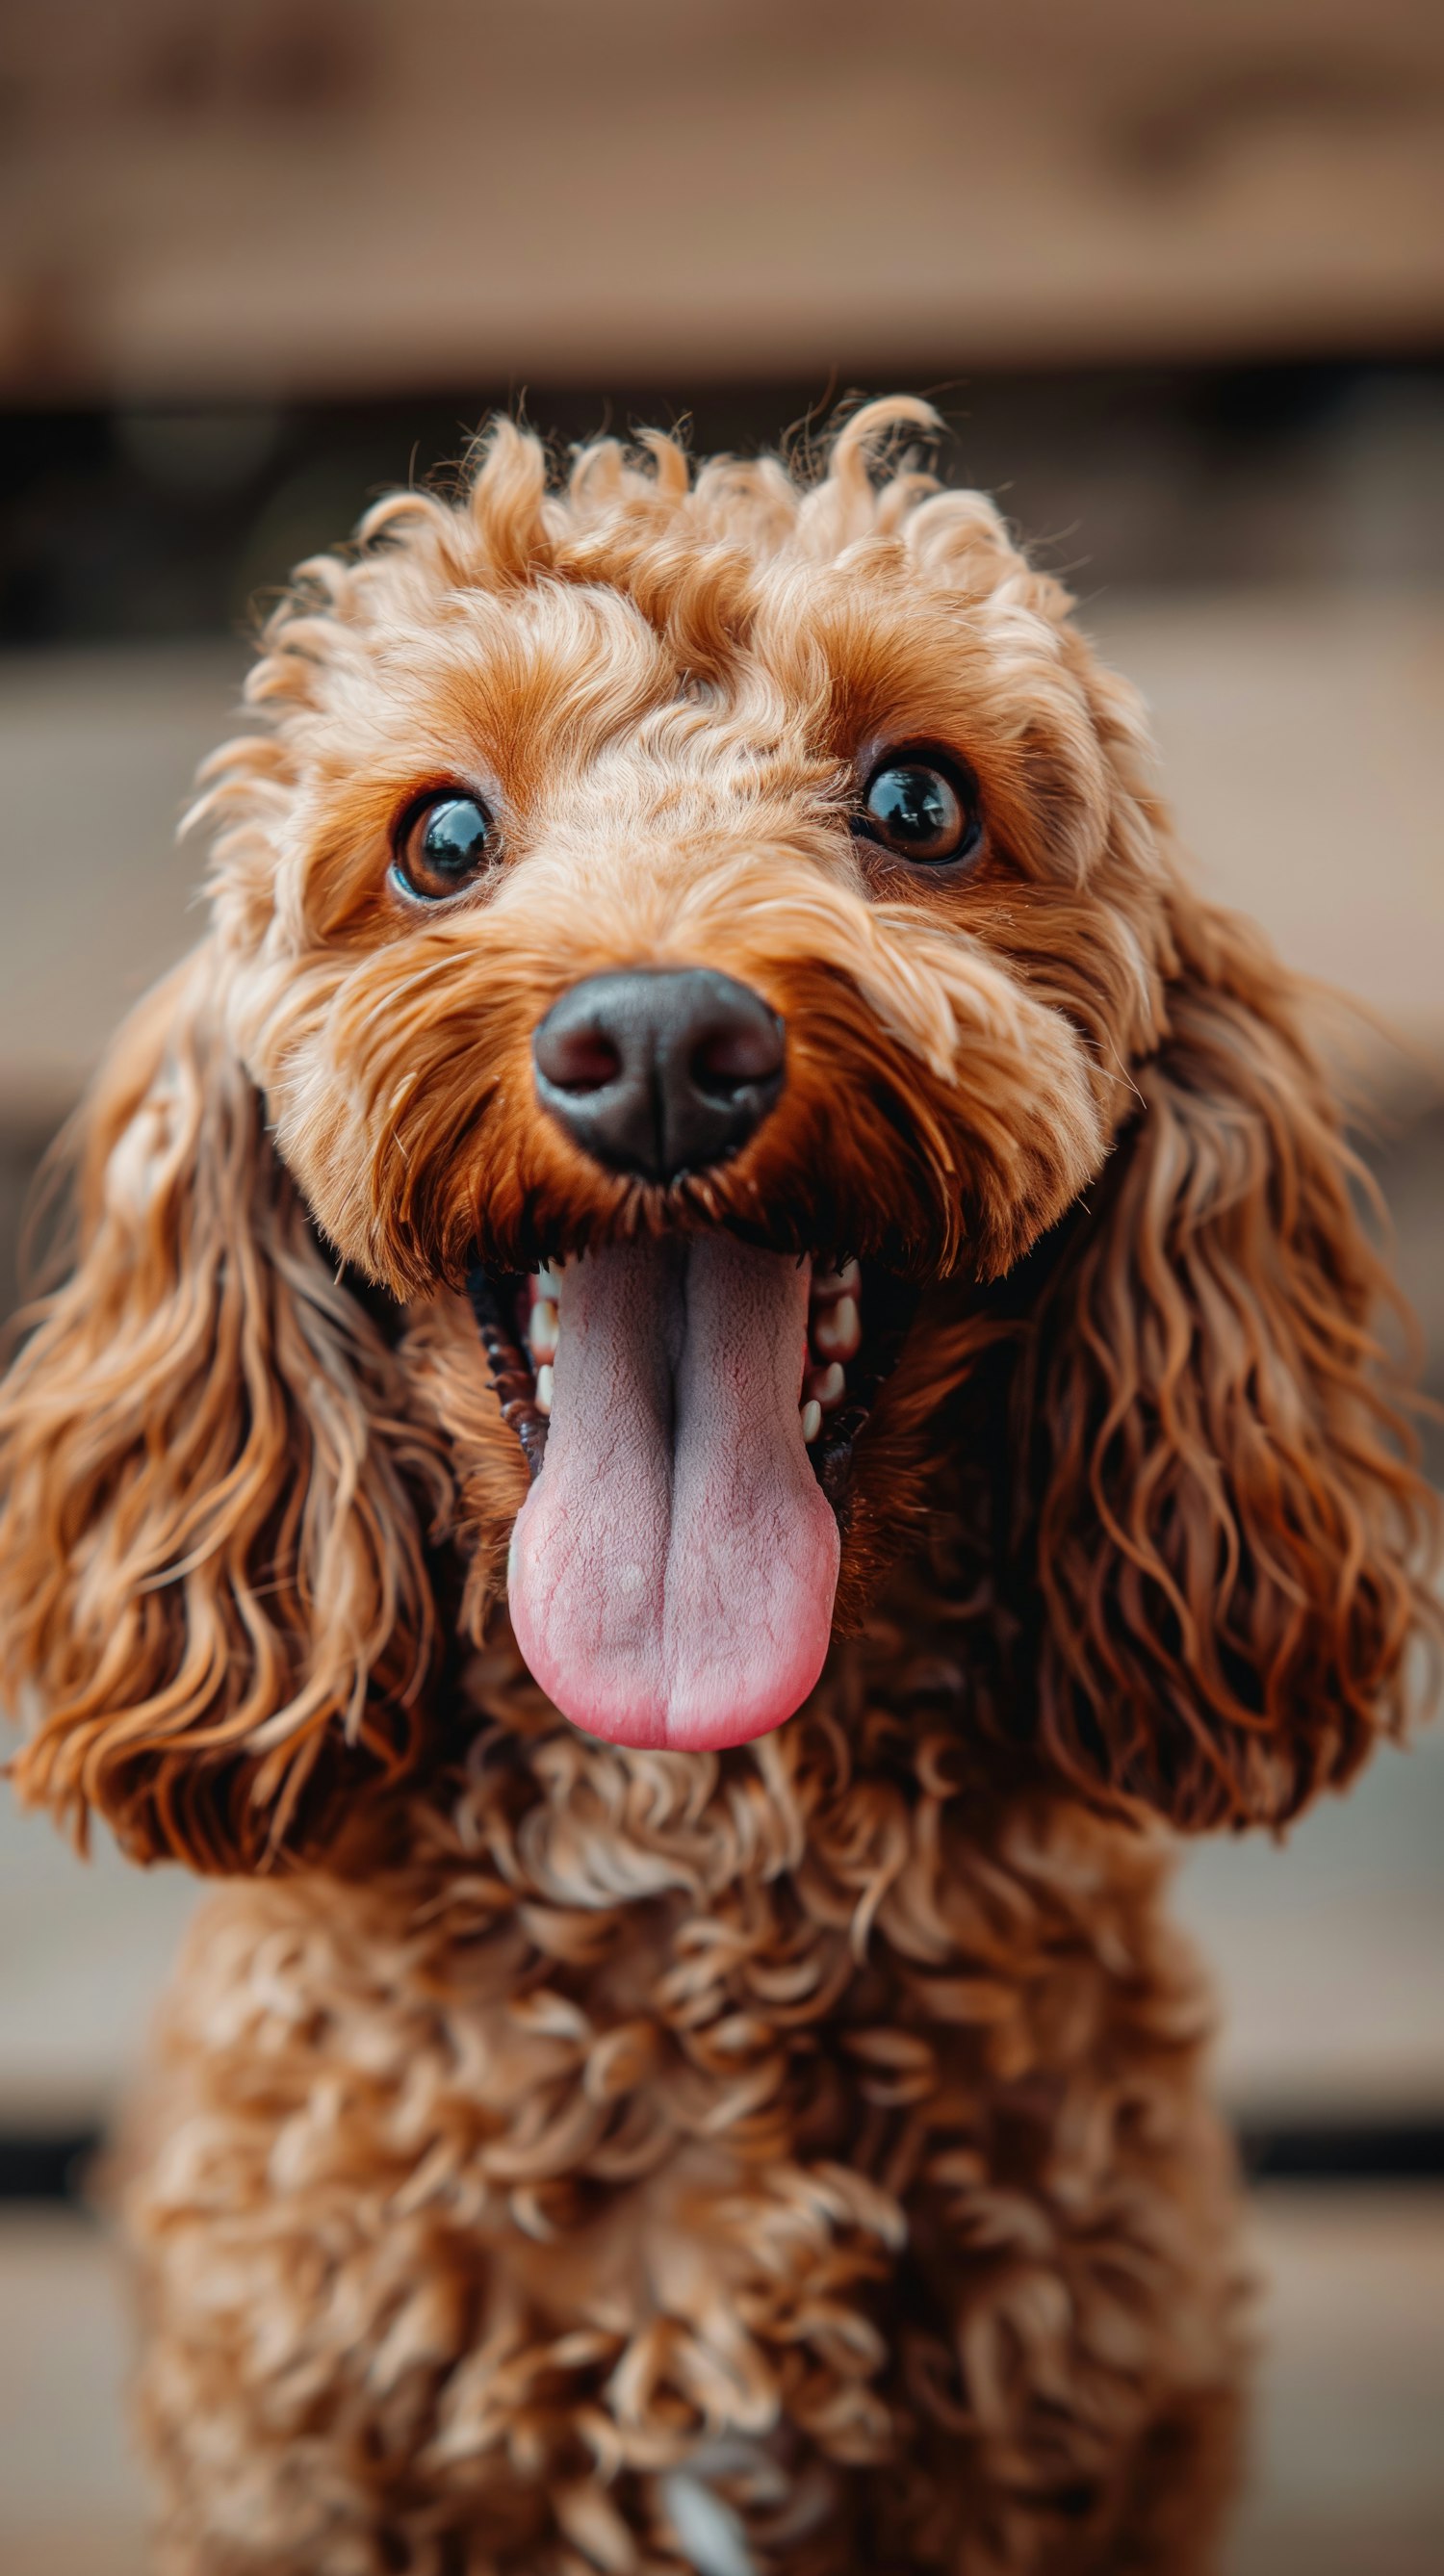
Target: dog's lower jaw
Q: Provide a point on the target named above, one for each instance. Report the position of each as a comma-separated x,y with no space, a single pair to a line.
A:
673,1569
726,1671
838,1399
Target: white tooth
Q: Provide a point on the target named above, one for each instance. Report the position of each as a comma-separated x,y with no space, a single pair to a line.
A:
811,1420
828,1384
835,1283
836,1330
552,1274
542,1330
544,1383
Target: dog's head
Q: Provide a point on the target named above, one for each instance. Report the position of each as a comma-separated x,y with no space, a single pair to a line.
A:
704,1065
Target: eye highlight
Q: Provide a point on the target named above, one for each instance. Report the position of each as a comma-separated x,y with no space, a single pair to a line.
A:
443,845
921,807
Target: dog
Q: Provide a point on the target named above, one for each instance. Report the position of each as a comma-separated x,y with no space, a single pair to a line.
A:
720,1364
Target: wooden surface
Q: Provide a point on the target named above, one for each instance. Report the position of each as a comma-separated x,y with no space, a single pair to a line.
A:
280,196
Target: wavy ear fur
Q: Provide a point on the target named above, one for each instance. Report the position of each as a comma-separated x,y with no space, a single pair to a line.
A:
1220,1531
212,1578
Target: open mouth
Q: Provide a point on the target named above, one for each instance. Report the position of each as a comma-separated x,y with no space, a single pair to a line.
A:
688,1407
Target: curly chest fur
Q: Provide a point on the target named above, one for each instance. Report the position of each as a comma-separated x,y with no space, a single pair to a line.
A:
656,2097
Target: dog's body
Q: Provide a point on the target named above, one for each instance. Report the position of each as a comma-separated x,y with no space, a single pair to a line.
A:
680,2143
818,2124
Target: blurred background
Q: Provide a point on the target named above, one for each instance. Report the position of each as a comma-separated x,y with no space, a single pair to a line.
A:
1176,278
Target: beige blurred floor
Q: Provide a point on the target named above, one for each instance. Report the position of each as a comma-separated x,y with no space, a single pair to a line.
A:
1349,2472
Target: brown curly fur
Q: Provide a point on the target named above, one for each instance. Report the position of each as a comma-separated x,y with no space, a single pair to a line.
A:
555,2142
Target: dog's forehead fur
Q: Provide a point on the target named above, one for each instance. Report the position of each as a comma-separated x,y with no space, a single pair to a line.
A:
664,645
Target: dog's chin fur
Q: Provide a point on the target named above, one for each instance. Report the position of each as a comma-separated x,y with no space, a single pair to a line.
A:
815,2121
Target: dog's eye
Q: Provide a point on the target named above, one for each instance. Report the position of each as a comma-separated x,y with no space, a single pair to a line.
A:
443,845
921,808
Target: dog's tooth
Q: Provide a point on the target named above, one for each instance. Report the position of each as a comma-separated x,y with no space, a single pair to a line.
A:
544,1382
543,1330
828,1385
811,1420
828,1284
837,1330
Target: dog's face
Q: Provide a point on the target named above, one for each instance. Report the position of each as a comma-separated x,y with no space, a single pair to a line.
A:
707,953
700,932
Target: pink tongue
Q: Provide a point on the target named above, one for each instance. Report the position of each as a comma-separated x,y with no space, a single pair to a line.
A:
673,1567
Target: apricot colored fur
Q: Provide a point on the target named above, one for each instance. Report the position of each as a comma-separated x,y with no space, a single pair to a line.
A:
567,2159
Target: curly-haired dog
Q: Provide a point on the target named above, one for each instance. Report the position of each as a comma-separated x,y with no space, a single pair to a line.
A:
711,1152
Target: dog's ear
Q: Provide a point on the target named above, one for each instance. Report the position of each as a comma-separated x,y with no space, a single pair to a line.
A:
213,1589
1218,1528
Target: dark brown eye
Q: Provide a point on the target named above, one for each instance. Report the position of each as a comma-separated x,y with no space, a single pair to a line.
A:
921,808
443,845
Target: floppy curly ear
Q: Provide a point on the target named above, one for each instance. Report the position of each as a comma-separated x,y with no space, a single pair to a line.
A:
1222,1531
212,1578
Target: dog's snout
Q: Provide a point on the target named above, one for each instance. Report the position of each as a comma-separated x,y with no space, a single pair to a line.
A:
657,1071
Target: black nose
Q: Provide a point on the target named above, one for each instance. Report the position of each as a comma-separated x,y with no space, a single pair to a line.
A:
658,1072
